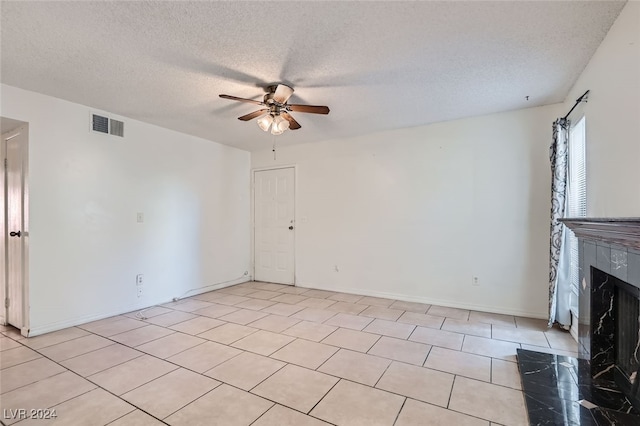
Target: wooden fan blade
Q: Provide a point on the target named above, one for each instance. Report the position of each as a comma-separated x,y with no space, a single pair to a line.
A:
282,93
293,124
253,115
235,98
313,109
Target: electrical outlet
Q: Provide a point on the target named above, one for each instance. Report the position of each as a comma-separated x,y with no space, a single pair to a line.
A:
139,291
139,279
140,217
475,282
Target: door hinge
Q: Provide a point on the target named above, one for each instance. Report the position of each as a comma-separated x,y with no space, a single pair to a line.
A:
6,302
5,162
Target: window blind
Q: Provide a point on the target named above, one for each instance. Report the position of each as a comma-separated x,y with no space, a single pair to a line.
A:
577,193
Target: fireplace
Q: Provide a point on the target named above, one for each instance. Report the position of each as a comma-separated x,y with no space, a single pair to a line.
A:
615,312
602,387
627,345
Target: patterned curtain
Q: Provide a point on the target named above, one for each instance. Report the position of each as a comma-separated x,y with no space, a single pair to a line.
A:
559,288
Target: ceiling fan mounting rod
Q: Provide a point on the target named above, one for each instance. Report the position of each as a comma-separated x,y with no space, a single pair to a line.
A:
269,101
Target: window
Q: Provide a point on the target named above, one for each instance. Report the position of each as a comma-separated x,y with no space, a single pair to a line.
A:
576,199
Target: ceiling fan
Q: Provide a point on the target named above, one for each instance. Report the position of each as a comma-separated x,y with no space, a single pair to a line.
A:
276,114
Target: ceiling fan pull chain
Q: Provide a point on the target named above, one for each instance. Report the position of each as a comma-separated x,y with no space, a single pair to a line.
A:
274,147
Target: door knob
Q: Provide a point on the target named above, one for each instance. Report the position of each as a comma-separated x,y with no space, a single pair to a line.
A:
291,227
15,234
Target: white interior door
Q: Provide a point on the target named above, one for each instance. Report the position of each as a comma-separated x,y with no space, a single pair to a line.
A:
274,221
3,232
15,145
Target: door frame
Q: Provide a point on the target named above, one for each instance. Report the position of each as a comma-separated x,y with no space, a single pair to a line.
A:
24,153
253,214
3,247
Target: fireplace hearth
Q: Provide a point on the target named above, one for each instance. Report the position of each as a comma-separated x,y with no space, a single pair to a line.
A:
603,386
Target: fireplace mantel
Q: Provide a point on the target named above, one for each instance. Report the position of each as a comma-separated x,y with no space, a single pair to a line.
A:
620,231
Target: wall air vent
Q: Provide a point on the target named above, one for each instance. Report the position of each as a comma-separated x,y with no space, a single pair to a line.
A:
104,124
99,123
116,127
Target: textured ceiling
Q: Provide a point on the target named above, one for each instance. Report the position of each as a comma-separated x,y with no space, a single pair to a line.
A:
377,65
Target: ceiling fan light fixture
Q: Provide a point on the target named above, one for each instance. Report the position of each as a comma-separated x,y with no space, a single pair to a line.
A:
275,115
279,125
265,121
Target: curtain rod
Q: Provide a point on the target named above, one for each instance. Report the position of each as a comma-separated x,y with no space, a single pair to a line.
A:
583,98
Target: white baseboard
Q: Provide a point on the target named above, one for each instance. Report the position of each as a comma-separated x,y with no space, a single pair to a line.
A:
72,322
430,301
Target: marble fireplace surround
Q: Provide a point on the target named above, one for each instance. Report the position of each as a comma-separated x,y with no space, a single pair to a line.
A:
564,390
611,246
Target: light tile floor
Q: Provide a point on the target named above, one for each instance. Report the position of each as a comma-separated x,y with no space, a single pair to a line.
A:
272,355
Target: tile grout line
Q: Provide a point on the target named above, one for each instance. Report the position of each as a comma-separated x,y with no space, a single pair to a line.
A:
261,415
449,409
399,411
191,402
381,376
44,347
122,416
323,397
90,352
491,371
263,380
455,377
21,362
37,381
427,357
327,360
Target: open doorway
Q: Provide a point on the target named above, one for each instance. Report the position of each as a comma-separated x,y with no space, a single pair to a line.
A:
15,224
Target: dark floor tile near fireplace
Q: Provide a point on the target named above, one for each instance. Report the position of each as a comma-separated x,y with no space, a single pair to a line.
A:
558,390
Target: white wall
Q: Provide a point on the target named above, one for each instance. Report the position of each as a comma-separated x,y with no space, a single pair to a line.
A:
416,213
613,119
85,190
